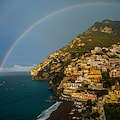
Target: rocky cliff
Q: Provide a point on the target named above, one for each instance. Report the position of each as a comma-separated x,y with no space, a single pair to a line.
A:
106,26
53,63
101,34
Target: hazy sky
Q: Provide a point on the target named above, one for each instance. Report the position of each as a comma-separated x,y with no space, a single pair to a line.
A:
53,33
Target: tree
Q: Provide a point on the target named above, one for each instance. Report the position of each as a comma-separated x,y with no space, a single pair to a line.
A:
89,104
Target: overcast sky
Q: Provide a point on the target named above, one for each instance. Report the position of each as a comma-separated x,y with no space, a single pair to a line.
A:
53,33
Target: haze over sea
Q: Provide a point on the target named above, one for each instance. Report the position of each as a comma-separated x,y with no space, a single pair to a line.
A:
21,98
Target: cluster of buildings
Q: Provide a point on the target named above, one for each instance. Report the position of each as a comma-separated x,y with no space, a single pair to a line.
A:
84,75
113,95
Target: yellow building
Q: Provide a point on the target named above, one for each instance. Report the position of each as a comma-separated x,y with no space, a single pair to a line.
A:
66,84
93,67
95,75
76,95
116,88
73,70
113,99
95,72
114,95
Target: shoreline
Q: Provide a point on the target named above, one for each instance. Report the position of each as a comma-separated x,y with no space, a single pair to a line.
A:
45,114
67,110
62,113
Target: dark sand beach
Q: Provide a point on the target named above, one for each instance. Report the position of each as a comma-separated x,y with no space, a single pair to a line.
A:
63,112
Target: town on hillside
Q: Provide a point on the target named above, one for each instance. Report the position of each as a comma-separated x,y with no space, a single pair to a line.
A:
94,78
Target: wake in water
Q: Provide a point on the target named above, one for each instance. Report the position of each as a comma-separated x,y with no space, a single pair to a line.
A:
46,113
1,84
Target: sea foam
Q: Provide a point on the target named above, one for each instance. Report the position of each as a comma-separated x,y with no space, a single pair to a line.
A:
46,113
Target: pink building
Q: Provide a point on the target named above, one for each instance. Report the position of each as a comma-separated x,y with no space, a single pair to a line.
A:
89,96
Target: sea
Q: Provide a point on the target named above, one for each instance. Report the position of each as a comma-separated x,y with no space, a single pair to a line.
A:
21,98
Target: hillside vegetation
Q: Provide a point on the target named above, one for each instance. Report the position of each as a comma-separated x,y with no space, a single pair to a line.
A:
101,34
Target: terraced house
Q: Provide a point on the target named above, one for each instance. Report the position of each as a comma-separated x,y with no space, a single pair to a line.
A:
94,75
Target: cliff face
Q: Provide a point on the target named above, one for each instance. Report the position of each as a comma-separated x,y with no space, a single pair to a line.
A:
101,34
53,63
106,26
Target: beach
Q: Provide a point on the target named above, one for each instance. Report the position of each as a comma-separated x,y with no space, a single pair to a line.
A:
62,113
68,111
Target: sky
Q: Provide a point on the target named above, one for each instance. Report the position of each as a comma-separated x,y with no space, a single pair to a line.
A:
57,24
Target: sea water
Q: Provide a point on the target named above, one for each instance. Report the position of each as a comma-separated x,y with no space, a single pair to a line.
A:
21,98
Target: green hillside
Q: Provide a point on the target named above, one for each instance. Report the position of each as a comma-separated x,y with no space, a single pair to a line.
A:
101,34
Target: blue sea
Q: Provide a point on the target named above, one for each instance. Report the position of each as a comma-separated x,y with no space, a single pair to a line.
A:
21,98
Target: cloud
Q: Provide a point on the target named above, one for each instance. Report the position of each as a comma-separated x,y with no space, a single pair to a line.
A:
18,68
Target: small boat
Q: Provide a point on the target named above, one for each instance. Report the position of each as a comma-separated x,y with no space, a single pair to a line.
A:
3,81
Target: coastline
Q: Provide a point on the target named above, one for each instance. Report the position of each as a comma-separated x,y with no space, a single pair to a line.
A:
62,113
68,110
47,112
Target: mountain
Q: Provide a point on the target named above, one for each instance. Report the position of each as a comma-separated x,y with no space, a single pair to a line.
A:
101,34
106,26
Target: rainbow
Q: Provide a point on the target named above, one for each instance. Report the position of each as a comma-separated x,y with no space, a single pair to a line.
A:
46,17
